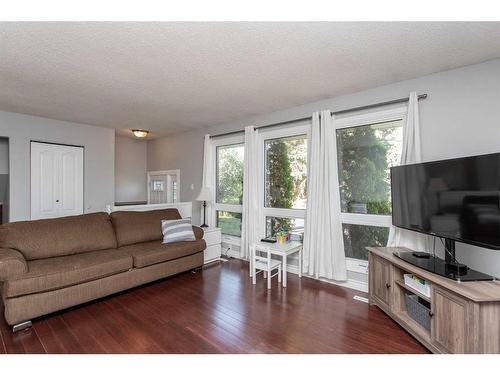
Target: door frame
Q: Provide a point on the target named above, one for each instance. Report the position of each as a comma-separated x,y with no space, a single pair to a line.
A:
9,191
166,172
55,144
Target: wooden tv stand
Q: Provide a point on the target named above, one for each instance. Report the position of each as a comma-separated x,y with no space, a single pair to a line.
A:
465,316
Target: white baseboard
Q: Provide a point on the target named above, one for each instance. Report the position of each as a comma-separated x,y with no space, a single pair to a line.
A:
233,254
211,261
351,283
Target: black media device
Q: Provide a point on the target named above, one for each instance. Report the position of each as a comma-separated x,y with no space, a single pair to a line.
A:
455,200
269,239
421,254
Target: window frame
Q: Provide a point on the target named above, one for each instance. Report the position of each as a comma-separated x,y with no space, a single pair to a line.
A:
371,118
233,208
300,128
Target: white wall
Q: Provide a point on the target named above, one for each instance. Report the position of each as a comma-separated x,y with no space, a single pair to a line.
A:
99,146
130,170
460,117
183,151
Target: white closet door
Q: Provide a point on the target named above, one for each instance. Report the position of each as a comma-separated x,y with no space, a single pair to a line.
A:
56,180
44,181
71,181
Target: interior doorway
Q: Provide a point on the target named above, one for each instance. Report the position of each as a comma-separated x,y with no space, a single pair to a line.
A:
4,180
163,186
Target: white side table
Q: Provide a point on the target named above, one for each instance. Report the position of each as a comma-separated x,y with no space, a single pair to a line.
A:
213,238
282,250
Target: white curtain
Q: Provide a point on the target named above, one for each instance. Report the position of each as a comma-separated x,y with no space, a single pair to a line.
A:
323,254
208,179
250,217
411,153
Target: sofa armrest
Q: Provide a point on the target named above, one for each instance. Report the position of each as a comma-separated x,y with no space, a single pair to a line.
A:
198,232
12,263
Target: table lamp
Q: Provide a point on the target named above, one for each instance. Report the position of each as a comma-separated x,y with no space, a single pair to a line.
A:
204,196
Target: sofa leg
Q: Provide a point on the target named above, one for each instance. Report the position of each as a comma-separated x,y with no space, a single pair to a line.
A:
196,270
20,326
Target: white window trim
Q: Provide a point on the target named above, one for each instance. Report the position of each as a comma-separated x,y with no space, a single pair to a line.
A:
357,265
399,113
235,208
284,212
302,127
372,117
366,219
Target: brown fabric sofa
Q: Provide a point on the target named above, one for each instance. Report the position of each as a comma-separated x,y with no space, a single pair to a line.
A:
49,265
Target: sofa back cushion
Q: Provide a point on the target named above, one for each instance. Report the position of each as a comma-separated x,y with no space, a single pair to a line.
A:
48,238
141,226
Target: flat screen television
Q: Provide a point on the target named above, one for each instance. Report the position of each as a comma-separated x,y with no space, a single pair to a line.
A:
456,200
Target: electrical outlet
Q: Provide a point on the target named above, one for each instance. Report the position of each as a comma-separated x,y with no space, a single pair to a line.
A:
226,249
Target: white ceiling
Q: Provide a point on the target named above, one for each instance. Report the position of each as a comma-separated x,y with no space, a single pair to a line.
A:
170,77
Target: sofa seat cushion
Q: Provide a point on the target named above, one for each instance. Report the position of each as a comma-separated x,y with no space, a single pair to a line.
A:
60,272
149,253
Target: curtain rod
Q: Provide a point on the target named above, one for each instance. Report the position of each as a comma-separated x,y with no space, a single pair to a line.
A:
342,111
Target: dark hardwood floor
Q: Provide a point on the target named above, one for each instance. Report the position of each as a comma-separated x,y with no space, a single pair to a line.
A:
217,311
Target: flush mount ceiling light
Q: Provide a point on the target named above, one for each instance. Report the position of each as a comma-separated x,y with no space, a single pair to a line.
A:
139,133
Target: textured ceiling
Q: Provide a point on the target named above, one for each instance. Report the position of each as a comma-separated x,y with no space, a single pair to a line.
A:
170,77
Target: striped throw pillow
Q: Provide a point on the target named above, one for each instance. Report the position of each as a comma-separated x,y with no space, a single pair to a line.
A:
177,230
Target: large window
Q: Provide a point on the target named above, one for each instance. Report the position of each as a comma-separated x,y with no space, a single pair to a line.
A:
367,146
229,222
294,226
286,172
230,174
358,237
284,183
229,185
365,154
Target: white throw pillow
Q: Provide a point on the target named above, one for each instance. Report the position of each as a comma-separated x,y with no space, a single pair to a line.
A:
177,230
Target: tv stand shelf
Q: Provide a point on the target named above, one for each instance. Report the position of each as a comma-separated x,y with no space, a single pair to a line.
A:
465,316
402,284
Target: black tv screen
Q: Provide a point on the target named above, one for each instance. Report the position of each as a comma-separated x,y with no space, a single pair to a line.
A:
458,199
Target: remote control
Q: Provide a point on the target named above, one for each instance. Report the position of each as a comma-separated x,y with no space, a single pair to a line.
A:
270,240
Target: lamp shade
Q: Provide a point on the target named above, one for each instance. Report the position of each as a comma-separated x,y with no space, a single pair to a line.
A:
205,194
